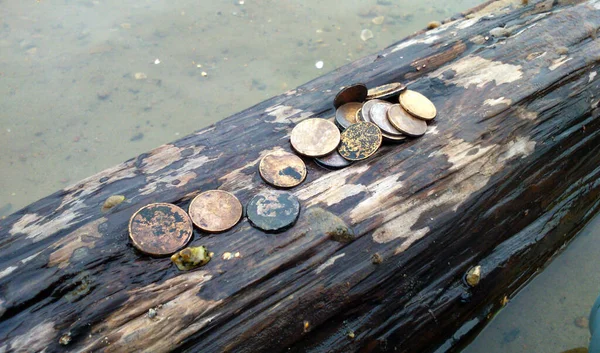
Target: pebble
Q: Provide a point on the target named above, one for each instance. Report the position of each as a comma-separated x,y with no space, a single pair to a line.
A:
582,322
319,65
103,95
378,20
152,313
499,32
366,34
112,201
474,276
156,62
376,259
204,73
434,24
140,76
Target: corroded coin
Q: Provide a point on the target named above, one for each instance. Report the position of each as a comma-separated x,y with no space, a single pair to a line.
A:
418,105
282,169
315,137
160,229
215,211
346,115
405,122
360,141
354,93
273,211
378,115
386,91
334,160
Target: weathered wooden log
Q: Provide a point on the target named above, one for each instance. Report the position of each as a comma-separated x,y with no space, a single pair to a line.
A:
505,176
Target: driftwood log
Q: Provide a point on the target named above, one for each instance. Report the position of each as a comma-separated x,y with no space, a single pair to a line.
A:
506,175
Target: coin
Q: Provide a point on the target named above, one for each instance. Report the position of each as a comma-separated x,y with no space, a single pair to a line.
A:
418,105
346,115
360,141
366,109
354,93
334,160
160,229
282,169
367,118
385,91
378,115
315,137
405,122
215,211
273,211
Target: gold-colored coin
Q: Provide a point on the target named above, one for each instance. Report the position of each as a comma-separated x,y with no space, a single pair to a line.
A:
315,137
346,115
385,91
418,105
282,169
354,93
160,229
360,141
215,211
405,122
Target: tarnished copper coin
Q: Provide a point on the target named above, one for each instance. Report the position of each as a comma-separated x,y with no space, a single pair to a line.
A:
346,115
282,169
360,141
334,160
354,93
315,137
378,115
386,91
215,211
418,105
160,229
273,211
405,122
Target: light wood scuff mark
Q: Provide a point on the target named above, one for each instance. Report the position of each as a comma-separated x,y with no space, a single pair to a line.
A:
31,224
162,157
559,62
327,189
472,167
35,340
525,114
497,101
592,76
408,43
328,263
85,236
474,70
137,332
7,271
381,195
284,114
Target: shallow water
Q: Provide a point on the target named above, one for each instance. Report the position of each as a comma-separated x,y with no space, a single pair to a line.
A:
85,85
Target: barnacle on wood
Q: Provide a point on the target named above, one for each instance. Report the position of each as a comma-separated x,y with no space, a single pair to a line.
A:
190,258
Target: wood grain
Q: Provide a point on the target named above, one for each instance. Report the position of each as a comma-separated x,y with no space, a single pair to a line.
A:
505,176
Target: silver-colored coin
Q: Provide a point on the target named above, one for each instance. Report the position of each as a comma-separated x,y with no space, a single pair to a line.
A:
334,160
365,111
378,114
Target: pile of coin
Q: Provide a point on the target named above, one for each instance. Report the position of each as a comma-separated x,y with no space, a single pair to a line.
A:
364,118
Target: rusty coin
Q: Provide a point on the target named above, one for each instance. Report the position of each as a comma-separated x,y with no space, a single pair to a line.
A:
405,122
354,93
360,141
334,160
346,115
273,211
315,137
282,169
418,105
215,211
386,91
160,229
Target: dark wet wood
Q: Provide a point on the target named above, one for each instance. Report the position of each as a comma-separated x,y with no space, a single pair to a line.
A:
507,173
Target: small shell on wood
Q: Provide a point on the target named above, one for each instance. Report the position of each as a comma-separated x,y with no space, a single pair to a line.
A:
474,276
112,201
190,258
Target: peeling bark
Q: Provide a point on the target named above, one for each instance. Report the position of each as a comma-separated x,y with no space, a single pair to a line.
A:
505,176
